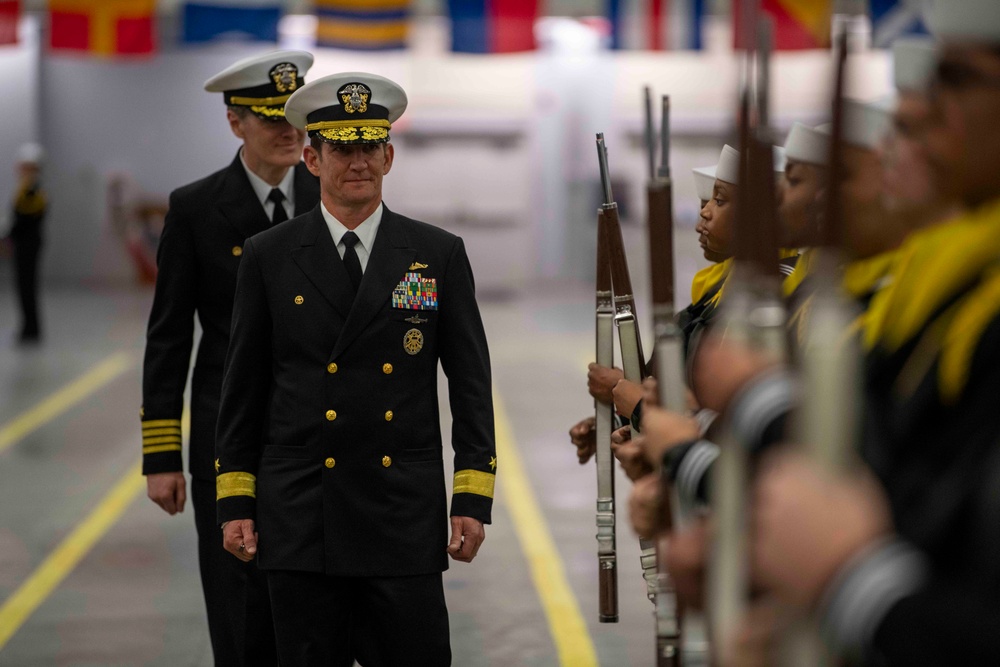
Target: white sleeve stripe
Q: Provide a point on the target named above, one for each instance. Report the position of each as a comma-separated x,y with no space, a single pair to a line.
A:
864,591
757,406
692,470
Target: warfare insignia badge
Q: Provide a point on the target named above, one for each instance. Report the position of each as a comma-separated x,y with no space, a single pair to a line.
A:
285,77
355,97
416,319
413,341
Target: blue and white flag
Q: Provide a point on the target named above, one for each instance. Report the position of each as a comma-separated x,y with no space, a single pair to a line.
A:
894,18
243,20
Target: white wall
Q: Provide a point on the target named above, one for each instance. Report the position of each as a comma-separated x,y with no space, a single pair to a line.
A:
500,148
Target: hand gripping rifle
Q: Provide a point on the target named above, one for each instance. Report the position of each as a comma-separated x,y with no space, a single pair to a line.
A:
625,319
606,551
755,316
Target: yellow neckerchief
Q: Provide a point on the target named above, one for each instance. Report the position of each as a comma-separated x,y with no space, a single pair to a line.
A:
933,265
708,278
866,276
27,203
802,269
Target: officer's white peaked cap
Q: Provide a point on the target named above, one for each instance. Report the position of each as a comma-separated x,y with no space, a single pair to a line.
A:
347,108
264,82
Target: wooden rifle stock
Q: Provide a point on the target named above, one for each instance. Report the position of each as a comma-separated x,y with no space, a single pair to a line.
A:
830,360
606,542
669,356
753,315
621,282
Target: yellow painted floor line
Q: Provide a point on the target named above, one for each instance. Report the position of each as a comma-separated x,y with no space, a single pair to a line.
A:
65,398
569,631
47,577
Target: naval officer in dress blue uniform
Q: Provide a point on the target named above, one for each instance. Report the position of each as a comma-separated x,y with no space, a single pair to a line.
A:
329,444
198,255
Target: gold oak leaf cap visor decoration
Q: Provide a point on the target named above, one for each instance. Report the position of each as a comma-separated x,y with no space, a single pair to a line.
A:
347,108
262,83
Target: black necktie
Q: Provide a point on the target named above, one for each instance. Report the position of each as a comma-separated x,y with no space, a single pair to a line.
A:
351,261
279,214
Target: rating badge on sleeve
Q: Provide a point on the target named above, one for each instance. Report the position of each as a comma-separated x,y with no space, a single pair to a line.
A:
415,293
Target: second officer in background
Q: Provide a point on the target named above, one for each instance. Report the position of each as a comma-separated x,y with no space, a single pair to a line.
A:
198,256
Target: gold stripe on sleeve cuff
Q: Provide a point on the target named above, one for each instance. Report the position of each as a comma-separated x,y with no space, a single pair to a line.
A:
474,481
161,423
162,440
230,484
161,448
151,432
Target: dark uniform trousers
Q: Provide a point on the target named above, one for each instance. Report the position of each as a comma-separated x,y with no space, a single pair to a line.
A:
26,234
198,258
329,435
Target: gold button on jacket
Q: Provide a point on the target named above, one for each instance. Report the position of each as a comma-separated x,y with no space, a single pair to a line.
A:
388,415
331,368
386,462
299,300
331,415
386,368
329,463
237,251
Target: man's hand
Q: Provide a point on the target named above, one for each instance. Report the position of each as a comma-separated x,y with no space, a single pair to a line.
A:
168,490
722,368
601,382
628,451
467,535
644,506
808,523
684,556
584,437
663,430
240,539
626,396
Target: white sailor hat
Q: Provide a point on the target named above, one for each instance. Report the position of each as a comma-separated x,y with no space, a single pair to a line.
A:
807,144
263,83
778,158
347,108
976,21
728,169
913,63
865,124
704,181
30,153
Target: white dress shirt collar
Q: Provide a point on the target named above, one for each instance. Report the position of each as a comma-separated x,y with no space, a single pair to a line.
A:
365,232
262,189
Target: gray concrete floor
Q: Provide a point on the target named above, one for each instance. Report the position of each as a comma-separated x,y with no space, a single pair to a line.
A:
135,598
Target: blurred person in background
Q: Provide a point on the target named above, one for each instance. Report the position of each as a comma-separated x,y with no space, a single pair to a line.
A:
26,237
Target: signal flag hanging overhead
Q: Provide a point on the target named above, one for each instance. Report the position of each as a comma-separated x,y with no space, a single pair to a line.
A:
10,14
492,26
798,24
364,25
106,28
246,20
